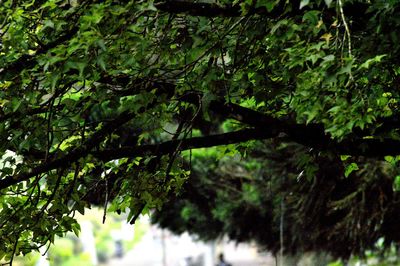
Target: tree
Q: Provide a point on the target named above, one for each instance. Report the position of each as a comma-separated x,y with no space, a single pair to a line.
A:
279,206
99,98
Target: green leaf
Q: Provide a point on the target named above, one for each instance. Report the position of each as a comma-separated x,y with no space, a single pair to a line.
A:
350,168
304,3
396,183
344,157
268,4
76,229
371,61
16,104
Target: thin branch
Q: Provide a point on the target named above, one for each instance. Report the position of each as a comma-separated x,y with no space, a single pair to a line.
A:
137,214
105,201
14,249
346,26
28,61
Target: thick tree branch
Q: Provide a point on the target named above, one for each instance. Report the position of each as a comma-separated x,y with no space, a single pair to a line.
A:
161,148
206,9
310,135
371,148
186,144
364,147
198,8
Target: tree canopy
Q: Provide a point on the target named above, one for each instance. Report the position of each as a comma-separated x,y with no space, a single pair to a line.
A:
98,99
263,198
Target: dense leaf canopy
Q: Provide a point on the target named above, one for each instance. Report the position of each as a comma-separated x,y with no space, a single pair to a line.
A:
265,198
99,98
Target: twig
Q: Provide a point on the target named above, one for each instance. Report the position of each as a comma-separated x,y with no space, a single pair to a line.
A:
346,26
105,202
347,32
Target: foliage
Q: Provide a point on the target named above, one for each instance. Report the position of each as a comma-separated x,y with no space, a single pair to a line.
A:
381,256
253,199
30,259
69,250
99,98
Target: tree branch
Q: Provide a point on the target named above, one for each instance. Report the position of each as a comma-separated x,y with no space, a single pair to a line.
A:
206,9
27,61
363,147
310,135
161,148
185,144
72,156
198,8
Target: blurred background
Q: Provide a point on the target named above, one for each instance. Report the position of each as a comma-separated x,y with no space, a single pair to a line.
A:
116,243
